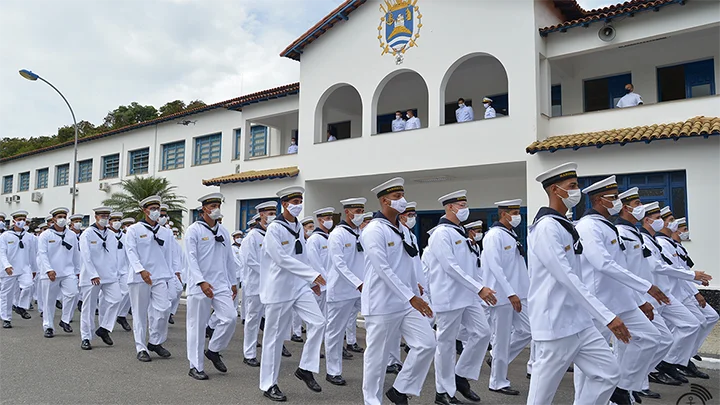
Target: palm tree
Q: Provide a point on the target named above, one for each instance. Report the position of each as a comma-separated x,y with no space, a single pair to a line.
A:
138,188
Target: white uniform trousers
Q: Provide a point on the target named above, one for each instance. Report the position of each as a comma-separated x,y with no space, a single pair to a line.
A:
8,288
68,286
685,328
351,329
511,335
254,309
471,359
707,318
37,293
296,324
322,302
149,301
277,317
243,312
24,293
418,335
175,290
531,360
198,313
393,351
75,299
662,347
214,320
338,314
124,306
632,358
590,353
108,308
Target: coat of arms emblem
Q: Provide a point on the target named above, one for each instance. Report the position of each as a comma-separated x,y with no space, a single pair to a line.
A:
399,27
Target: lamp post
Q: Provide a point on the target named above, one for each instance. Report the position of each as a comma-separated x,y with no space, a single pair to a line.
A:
33,77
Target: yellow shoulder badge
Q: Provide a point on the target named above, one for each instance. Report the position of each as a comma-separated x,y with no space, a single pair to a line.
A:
391,243
143,235
567,248
348,244
285,242
459,241
507,247
614,241
205,238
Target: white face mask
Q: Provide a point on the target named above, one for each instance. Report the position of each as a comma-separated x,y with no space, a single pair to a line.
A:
572,199
116,225
20,224
638,212
411,222
162,221
103,222
617,206
463,214
2,224
154,215
397,117
61,222
515,221
215,214
26,228
461,105
685,235
328,224
399,205
77,226
486,105
295,210
238,240
270,218
478,236
357,219
657,225
673,226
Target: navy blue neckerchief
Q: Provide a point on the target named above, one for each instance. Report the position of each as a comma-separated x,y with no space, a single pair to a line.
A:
601,218
518,243
118,236
62,238
260,228
154,231
320,232
21,245
657,245
344,225
567,225
633,229
463,232
686,257
218,238
411,250
103,238
285,224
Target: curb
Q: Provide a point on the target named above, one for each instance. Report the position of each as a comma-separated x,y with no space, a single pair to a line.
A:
709,363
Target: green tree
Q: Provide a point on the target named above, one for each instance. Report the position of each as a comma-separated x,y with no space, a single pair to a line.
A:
195,104
139,188
172,107
126,115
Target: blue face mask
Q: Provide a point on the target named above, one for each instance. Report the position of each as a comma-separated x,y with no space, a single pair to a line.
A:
628,91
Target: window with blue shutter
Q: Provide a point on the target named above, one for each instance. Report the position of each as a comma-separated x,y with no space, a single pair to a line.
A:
173,156
207,149
258,141
84,171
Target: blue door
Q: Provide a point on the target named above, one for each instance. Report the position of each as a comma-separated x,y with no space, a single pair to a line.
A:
500,104
699,79
616,87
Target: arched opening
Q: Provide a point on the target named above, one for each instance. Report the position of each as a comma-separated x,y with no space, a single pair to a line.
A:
473,78
404,91
339,114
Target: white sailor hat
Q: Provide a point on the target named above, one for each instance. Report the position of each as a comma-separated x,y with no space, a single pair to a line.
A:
557,174
48,218
37,230
288,193
475,226
59,210
455,196
602,186
665,212
2,215
152,200
307,220
43,225
76,217
509,204
128,221
411,207
681,221
266,206
487,100
175,230
629,195
250,223
164,207
351,203
652,208
116,215
255,217
391,186
368,215
102,210
324,212
19,213
210,199
236,233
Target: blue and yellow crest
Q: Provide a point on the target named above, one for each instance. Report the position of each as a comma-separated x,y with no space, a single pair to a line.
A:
399,27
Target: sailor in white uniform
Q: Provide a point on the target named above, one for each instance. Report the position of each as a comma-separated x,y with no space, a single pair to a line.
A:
123,275
17,256
296,327
412,122
489,109
288,282
24,292
211,278
561,307
318,255
464,113
237,238
115,230
99,272
398,124
351,330
391,301
504,270
604,269
344,283
175,284
148,247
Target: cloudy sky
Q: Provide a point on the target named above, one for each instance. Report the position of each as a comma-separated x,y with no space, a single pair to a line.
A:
104,53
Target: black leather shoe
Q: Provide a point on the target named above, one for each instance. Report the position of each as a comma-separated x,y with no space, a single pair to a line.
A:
159,350
79,306
528,375
7,325
672,371
393,369
209,332
22,312
697,357
296,338
463,387
355,348
570,369
216,360
335,379
407,349
445,399
692,371
396,397
252,362
122,321
198,375
31,307
49,333
275,394
488,361
621,397
258,344
648,394
658,377
322,355
308,378
58,304
506,391
286,352
65,327
346,354
459,347
262,327
171,321
636,396
104,334
144,356
85,345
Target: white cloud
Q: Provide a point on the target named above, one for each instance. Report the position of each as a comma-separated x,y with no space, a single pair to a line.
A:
593,4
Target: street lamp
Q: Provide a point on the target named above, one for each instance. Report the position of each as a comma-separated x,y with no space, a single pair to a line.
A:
33,77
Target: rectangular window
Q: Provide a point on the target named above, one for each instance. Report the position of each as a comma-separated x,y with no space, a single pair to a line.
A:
7,184
24,182
238,144
384,122
207,149
173,155
195,215
84,171
450,111
556,100
62,174
258,141
500,104
695,79
111,166
604,93
341,130
247,210
139,161
41,178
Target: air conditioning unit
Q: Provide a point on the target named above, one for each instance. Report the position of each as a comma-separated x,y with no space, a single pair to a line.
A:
104,186
16,198
8,199
237,169
36,196
74,189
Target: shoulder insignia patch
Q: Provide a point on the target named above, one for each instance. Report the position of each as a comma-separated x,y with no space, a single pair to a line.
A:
143,235
508,247
391,243
205,238
285,242
348,244
567,248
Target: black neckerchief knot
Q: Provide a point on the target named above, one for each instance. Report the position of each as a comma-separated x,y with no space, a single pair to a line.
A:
518,243
62,238
214,230
21,245
609,224
411,250
347,227
567,225
285,224
154,230
103,238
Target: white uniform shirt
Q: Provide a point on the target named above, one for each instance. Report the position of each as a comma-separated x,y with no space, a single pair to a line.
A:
464,114
689,286
666,273
629,100
503,266
489,112
145,253
604,267
285,274
240,266
99,257
559,304
634,255
417,260
398,124
318,255
347,265
251,251
122,262
679,289
412,123
390,280
209,260
54,256
11,255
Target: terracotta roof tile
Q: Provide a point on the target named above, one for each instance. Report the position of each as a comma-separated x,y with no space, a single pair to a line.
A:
254,175
698,126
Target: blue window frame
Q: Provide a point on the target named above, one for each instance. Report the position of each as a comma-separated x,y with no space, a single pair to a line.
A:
500,104
556,100
238,143
111,166
84,171
173,155
41,178
688,80
24,182
247,210
604,93
139,161
258,141
62,174
195,215
7,184
384,122
207,149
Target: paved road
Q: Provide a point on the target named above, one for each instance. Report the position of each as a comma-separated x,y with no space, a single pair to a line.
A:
35,370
